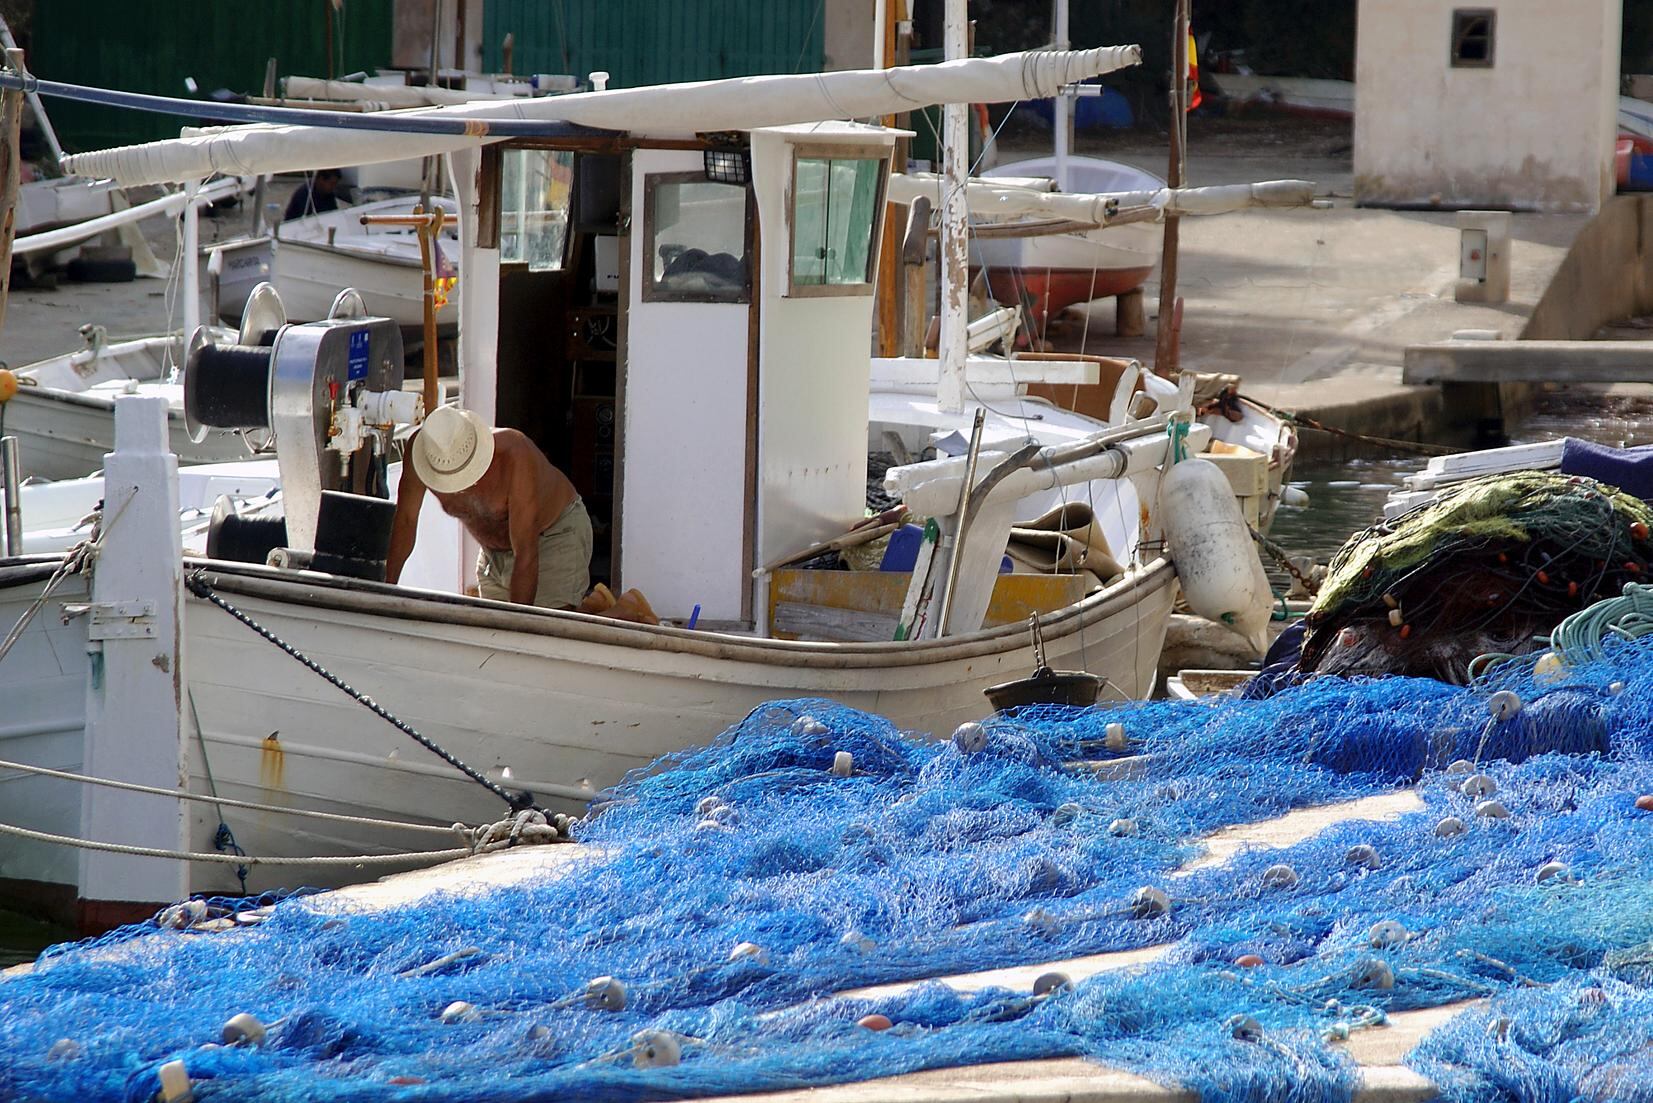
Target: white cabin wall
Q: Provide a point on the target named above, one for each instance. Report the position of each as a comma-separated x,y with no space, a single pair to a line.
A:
683,502
478,322
1535,130
815,360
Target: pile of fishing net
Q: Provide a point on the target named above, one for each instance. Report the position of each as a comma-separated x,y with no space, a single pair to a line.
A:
706,931
1484,569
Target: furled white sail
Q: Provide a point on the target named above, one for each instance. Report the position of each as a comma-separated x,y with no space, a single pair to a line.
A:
380,97
742,103
997,198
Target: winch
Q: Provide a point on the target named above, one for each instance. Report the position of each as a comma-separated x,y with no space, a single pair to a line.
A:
329,394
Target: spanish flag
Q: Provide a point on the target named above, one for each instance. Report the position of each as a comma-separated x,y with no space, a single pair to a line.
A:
1194,97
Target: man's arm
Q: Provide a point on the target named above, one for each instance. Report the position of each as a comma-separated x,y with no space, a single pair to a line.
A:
404,530
523,517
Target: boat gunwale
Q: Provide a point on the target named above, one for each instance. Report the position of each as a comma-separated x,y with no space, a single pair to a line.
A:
381,599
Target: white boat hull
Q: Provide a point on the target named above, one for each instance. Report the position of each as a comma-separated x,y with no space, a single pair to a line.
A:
309,277
567,703
62,435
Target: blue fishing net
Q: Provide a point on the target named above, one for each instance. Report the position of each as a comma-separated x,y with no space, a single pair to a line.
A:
739,889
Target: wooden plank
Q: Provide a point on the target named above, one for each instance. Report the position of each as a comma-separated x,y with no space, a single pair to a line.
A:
1530,362
853,603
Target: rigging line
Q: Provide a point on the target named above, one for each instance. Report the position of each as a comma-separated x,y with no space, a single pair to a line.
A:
251,806
197,585
234,859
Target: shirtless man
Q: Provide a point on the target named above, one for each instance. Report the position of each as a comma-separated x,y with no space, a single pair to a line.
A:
533,528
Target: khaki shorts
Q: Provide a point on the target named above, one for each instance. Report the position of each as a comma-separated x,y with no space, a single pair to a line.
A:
565,563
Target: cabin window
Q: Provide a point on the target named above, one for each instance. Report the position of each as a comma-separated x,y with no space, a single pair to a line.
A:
533,207
837,200
1472,37
695,240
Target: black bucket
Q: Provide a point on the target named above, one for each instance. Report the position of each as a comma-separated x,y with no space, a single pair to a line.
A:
1046,687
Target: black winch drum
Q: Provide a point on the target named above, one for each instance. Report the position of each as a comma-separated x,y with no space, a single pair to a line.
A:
228,386
237,539
353,535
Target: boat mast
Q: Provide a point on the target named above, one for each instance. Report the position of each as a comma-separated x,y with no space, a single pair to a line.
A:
955,214
1165,339
1063,107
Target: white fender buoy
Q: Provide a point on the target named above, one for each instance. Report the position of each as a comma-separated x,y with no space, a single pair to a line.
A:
1210,546
1386,933
655,1049
843,764
243,1029
970,737
605,994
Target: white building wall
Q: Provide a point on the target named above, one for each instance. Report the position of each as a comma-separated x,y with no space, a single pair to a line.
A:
1533,132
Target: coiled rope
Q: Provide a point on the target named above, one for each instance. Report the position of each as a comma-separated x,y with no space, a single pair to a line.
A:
518,802
1578,638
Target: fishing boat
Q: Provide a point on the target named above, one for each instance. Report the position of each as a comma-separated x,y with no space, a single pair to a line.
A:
64,412
317,255
719,396
1027,260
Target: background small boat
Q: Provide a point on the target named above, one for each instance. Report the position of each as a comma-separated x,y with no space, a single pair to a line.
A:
1055,271
320,253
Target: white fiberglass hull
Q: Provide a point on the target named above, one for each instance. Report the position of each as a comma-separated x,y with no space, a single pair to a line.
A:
64,435
568,703
309,277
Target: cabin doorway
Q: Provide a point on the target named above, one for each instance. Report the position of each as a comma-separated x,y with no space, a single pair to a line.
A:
560,318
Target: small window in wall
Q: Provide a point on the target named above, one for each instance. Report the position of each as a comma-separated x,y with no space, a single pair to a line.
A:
533,207
837,199
694,240
1472,37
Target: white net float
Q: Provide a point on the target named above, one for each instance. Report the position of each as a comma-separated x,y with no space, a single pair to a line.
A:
1114,737
1364,855
1386,933
807,727
1244,1028
243,1029
1149,903
1065,814
843,764
749,951
605,994
706,804
1462,766
656,1049
858,942
1503,705
1279,876
1559,872
1451,827
1040,920
1051,982
1373,974
1478,786
1122,828
970,737
457,1012
1492,810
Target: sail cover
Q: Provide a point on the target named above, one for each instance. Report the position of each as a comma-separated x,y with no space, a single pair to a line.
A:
743,103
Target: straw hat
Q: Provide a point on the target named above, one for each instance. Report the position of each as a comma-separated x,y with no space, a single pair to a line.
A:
452,449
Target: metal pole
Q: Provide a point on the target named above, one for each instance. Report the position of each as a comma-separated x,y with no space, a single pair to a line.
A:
1165,344
955,242
1063,119
10,470
958,548
190,259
